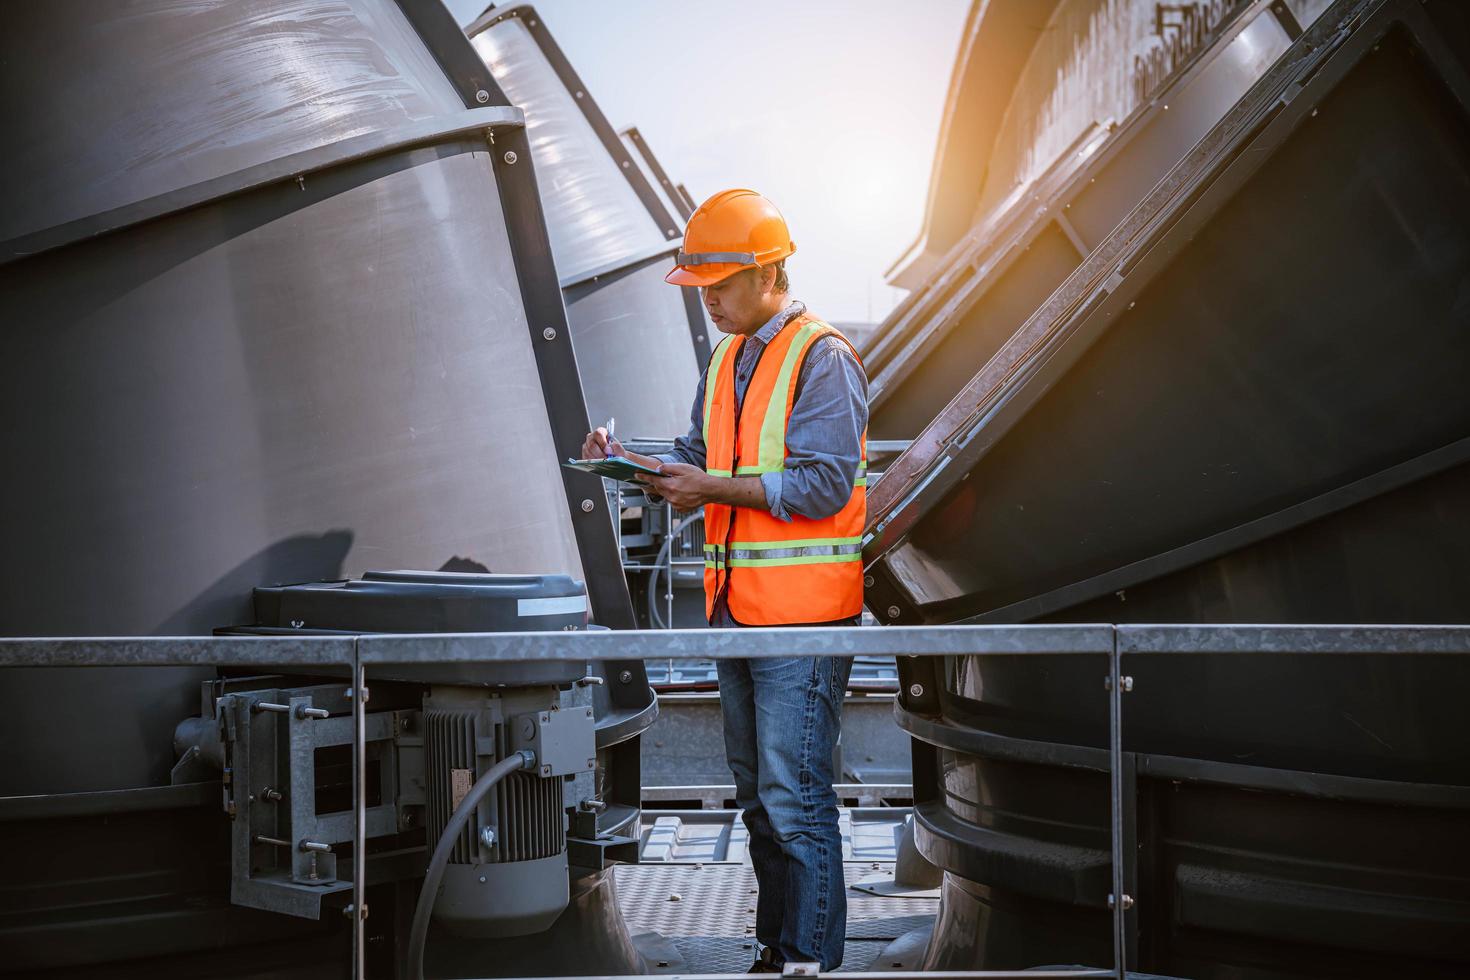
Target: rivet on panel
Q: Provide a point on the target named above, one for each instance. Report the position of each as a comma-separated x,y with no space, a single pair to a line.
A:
587,506
482,96
549,333
510,156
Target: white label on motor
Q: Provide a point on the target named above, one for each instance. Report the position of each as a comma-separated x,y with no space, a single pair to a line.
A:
552,606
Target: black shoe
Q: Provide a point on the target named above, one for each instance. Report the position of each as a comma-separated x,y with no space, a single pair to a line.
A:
765,962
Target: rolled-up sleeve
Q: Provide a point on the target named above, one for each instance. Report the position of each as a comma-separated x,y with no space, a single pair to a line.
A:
823,436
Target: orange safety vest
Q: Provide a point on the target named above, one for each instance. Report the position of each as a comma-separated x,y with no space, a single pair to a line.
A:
775,572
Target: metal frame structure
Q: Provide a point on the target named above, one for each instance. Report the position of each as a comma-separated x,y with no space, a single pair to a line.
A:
361,657
487,116
677,193
981,261
541,296
670,225
536,27
1101,291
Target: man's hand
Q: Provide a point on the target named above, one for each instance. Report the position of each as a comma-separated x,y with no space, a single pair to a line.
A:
597,445
688,487
683,485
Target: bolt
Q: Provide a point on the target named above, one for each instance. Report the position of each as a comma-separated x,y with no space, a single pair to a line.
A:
549,333
626,677
916,690
893,612
482,96
303,712
587,506
271,795
296,624
482,879
311,845
1127,686
700,338
579,95
367,694
1127,902
510,157
867,581
487,837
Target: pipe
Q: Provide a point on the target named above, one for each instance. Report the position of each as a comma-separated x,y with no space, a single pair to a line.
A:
419,933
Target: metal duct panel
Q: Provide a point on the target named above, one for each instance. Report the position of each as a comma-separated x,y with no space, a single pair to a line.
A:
611,228
1229,366
595,218
635,373
258,379
672,195
1095,61
1047,223
154,99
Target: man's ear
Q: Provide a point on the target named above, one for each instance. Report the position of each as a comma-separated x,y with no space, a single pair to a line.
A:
768,279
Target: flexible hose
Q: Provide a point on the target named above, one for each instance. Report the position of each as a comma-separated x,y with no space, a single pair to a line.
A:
419,933
658,566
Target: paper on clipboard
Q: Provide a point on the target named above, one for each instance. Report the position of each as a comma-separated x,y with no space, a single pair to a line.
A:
613,467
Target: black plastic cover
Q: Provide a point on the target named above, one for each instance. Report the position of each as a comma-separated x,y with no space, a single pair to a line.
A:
427,602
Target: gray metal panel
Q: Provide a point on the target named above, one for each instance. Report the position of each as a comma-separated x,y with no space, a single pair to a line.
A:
603,228
633,348
297,382
1287,389
154,99
1030,241
668,191
247,401
594,215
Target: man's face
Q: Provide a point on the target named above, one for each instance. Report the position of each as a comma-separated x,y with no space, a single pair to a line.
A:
739,304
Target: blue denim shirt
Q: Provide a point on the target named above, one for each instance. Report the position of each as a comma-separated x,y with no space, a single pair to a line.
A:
823,435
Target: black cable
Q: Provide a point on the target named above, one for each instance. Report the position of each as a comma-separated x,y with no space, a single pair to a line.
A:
418,934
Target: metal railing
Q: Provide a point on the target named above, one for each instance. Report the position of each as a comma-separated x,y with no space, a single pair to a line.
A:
360,656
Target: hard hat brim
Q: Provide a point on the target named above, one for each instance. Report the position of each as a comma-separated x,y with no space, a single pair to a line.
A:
704,275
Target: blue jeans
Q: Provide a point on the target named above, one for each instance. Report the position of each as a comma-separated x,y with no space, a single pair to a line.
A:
782,718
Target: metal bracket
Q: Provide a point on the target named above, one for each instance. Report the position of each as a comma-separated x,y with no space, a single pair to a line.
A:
282,857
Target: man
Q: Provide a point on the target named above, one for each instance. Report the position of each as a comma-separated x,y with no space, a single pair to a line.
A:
776,455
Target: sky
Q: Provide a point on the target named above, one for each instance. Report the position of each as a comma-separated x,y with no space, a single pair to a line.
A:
830,108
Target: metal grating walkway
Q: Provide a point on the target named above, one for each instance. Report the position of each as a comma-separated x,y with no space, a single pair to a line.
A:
707,911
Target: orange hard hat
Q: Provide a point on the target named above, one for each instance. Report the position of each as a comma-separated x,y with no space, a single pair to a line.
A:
734,230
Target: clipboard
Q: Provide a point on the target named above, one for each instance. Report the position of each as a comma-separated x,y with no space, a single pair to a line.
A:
619,468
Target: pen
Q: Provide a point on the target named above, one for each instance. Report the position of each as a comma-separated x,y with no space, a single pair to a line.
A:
610,423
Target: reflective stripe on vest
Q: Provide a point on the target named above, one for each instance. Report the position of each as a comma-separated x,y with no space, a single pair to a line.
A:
773,571
751,554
